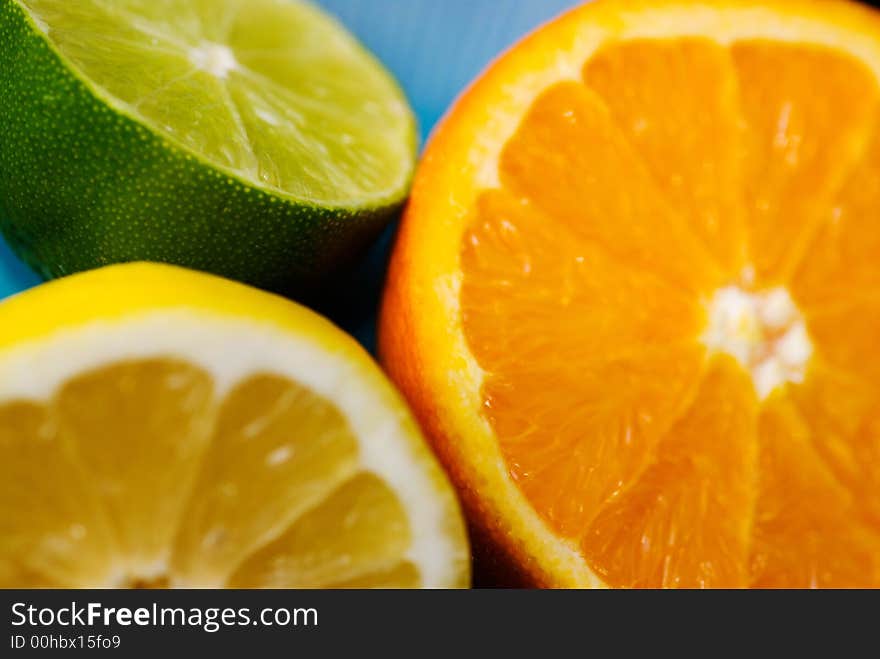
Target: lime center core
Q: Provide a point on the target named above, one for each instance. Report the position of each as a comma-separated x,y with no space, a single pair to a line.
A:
764,331
214,58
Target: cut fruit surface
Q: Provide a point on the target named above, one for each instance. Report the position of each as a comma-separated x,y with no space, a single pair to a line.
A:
639,322
165,428
272,90
254,139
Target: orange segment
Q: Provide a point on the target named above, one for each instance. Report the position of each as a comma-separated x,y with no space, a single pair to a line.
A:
843,414
674,99
808,528
522,267
574,438
848,336
687,521
633,222
842,263
809,112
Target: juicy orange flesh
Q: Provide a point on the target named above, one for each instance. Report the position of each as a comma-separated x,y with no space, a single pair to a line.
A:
140,473
674,168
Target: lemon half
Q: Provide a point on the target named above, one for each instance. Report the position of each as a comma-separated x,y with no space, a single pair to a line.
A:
165,428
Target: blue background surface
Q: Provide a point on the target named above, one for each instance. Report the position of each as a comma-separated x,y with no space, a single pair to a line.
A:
434,48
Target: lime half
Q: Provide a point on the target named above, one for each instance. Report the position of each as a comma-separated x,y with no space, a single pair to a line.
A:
253,138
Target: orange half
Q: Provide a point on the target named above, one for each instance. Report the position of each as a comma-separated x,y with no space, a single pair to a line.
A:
635,300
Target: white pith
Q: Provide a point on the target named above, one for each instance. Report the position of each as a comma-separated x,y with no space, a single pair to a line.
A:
764,331
35,371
